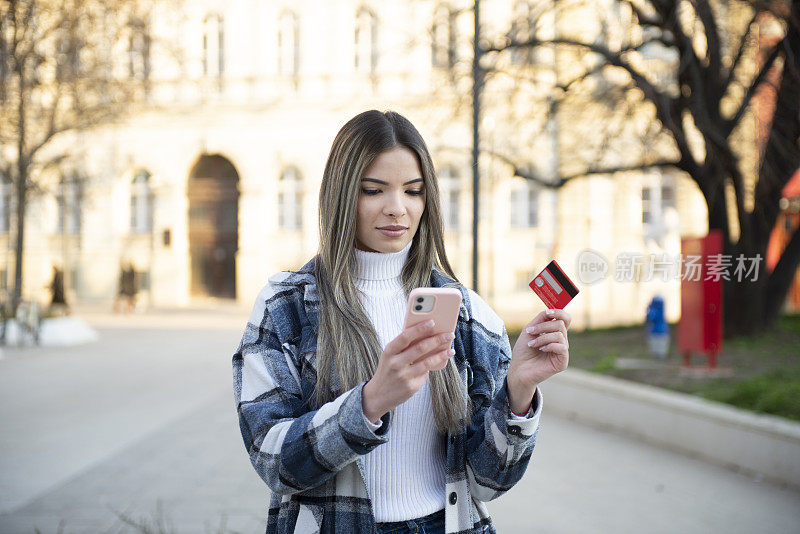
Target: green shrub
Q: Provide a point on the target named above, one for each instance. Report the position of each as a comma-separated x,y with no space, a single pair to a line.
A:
606,364
776,393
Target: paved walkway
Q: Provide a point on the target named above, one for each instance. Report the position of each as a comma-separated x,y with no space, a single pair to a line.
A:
140,428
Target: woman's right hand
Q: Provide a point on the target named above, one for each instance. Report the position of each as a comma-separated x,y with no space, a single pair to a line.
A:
403,368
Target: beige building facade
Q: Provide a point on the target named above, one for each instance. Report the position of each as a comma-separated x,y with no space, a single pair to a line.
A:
211,184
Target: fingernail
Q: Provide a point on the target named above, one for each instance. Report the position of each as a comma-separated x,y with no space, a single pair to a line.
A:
531,343
452,352
550,312
530,330
429,323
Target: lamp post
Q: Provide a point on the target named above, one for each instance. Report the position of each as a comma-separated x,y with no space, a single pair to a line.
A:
477,87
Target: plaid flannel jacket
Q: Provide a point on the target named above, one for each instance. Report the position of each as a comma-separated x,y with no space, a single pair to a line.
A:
311,457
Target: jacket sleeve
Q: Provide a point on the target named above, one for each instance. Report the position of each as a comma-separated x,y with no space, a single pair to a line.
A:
292,447
499,444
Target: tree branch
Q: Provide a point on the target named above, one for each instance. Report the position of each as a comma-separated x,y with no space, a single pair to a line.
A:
594,70
658,98
52,130
781,157
668,110
643,19
711,32
21,54
528,174
693,75
623,168
19,38
731,124
740,51
780,279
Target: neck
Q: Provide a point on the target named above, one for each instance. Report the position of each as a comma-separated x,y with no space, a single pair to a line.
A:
381,265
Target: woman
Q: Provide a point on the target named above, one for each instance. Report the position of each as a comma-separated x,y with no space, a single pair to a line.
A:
355,424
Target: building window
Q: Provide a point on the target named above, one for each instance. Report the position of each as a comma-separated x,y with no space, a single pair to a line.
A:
524,206
668,194
522,279
68,48
657,196
213,46
138,50
522,29
366,42
450,190
6,193
141,203
443,38
69,199
290,200
289,44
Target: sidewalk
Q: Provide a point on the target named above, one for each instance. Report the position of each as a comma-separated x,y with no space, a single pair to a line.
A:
758,444
145,418
580,480
194,468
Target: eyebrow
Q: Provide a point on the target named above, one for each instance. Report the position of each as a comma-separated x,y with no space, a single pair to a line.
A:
387,183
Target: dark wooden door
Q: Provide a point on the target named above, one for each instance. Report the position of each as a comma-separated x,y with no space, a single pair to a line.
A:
213,235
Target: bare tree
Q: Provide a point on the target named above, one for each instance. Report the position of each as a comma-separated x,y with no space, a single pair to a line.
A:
65,66
700,111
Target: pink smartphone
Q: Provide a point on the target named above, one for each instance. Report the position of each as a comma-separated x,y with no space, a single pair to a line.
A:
438,303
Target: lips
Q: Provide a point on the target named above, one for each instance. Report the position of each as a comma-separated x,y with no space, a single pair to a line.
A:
393,230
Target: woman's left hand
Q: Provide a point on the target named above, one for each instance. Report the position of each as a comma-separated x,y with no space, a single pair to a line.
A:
541,351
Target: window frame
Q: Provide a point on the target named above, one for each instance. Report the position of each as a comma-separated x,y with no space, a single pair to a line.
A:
139,50
366,21
214,21
69,199
290,199
524,205
450,196
653,202
289,32
142,203
6,203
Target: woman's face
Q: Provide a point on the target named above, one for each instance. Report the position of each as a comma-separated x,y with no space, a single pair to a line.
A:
390,202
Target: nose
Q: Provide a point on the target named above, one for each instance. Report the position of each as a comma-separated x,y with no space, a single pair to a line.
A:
394,206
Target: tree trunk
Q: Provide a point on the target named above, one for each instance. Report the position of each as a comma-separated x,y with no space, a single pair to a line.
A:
715,200
780,280
22,184
745,291
19,245
743,296
781,161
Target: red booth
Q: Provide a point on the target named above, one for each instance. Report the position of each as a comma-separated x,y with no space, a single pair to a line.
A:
700,326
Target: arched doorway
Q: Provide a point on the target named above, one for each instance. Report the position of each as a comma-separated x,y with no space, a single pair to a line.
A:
213,192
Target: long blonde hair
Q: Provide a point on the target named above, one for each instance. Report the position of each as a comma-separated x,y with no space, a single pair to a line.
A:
347,344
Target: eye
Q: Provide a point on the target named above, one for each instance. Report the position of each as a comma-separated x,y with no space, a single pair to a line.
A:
415,192
370,192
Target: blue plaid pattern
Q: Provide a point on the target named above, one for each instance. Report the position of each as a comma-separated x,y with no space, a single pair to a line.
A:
311,457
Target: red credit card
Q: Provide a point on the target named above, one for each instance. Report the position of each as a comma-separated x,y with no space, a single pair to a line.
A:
553,286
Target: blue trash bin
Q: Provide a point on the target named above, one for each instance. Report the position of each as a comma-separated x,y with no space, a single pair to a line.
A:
657,328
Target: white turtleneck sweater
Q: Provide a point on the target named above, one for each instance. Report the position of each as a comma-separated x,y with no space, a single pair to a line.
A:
406,476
